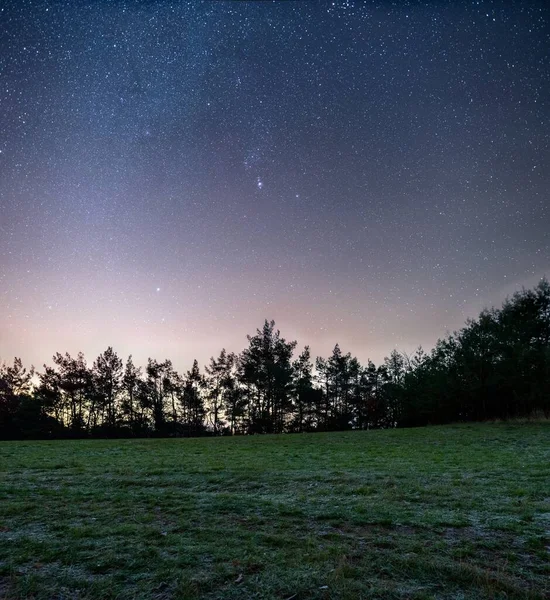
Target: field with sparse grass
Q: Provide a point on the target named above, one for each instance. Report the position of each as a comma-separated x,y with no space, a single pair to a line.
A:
458,512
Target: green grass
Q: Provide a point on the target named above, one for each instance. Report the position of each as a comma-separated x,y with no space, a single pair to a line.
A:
458,512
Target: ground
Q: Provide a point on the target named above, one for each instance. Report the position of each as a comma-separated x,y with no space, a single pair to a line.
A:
457,512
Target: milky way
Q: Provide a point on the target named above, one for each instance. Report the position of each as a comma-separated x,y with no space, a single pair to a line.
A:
173,174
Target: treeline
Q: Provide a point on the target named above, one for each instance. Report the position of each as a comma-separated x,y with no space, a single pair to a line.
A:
497,366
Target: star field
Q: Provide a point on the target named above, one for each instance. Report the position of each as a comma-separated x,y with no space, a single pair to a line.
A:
171,174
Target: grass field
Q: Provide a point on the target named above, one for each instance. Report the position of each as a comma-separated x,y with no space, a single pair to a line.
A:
441,512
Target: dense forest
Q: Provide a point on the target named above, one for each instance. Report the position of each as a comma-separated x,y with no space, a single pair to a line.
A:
496,366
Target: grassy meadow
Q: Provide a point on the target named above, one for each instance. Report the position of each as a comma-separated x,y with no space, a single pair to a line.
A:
459,512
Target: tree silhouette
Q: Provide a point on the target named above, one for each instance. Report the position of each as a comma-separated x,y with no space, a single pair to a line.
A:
266,372
130,387
304,393
496,366
107,380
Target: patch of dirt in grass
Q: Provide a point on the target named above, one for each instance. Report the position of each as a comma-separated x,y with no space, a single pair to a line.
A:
486,546
37,532
246,523
164,523
451,535
379,530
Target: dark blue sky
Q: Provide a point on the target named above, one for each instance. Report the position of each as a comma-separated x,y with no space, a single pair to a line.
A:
173,173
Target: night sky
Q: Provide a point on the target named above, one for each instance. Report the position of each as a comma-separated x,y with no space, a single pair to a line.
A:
171,174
